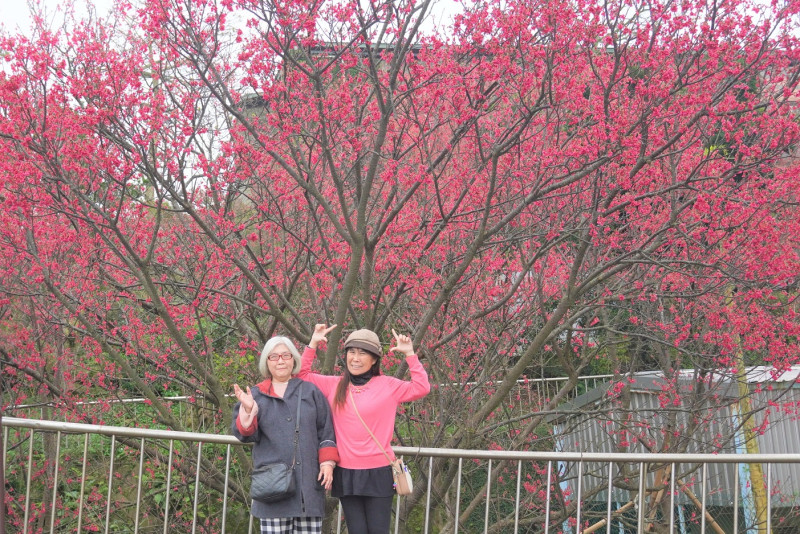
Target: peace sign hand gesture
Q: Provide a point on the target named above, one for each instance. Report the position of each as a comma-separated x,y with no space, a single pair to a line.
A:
320,335
402,344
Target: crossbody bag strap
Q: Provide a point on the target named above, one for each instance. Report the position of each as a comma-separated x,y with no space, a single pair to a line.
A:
297,422
368,430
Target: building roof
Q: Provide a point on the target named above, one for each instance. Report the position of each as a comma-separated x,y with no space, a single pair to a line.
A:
723,386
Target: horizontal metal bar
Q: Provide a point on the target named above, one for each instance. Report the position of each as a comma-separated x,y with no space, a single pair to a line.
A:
692,458
77,428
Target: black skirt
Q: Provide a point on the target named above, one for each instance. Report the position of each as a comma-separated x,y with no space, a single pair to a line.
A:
376,482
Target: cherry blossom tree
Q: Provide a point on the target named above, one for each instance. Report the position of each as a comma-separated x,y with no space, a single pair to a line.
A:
538,188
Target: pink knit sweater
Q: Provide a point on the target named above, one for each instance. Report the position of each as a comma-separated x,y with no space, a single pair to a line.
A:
377,403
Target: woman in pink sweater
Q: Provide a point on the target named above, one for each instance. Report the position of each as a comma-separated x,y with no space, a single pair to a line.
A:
363,478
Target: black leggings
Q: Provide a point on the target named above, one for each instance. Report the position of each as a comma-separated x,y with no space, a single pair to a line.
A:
367,515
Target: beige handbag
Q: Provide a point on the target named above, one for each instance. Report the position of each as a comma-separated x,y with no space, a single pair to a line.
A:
403,484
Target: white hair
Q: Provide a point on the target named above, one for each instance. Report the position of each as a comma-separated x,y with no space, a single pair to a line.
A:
271,344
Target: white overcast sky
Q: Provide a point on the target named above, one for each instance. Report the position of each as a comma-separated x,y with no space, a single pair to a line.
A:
14,14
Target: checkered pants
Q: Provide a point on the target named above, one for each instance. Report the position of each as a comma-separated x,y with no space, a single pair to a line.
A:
291,525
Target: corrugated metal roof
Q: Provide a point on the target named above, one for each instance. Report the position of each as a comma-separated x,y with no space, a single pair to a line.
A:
597,422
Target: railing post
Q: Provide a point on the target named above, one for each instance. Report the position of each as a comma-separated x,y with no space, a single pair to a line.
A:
458,496
578,497
169,486
225,492
139,487
428,496
610,494
488,496
83,480
548,494
28,487
55,483
516,501
110,481
640,497
197,485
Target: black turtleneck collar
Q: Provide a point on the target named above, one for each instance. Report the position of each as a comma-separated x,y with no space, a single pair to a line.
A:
360,380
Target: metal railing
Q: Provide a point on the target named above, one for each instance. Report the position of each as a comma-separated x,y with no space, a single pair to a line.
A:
67,477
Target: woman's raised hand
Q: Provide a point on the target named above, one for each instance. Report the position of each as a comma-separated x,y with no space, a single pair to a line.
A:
402,344
320,335
244,397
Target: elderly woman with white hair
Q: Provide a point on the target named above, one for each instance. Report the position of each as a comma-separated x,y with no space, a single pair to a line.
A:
288,421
